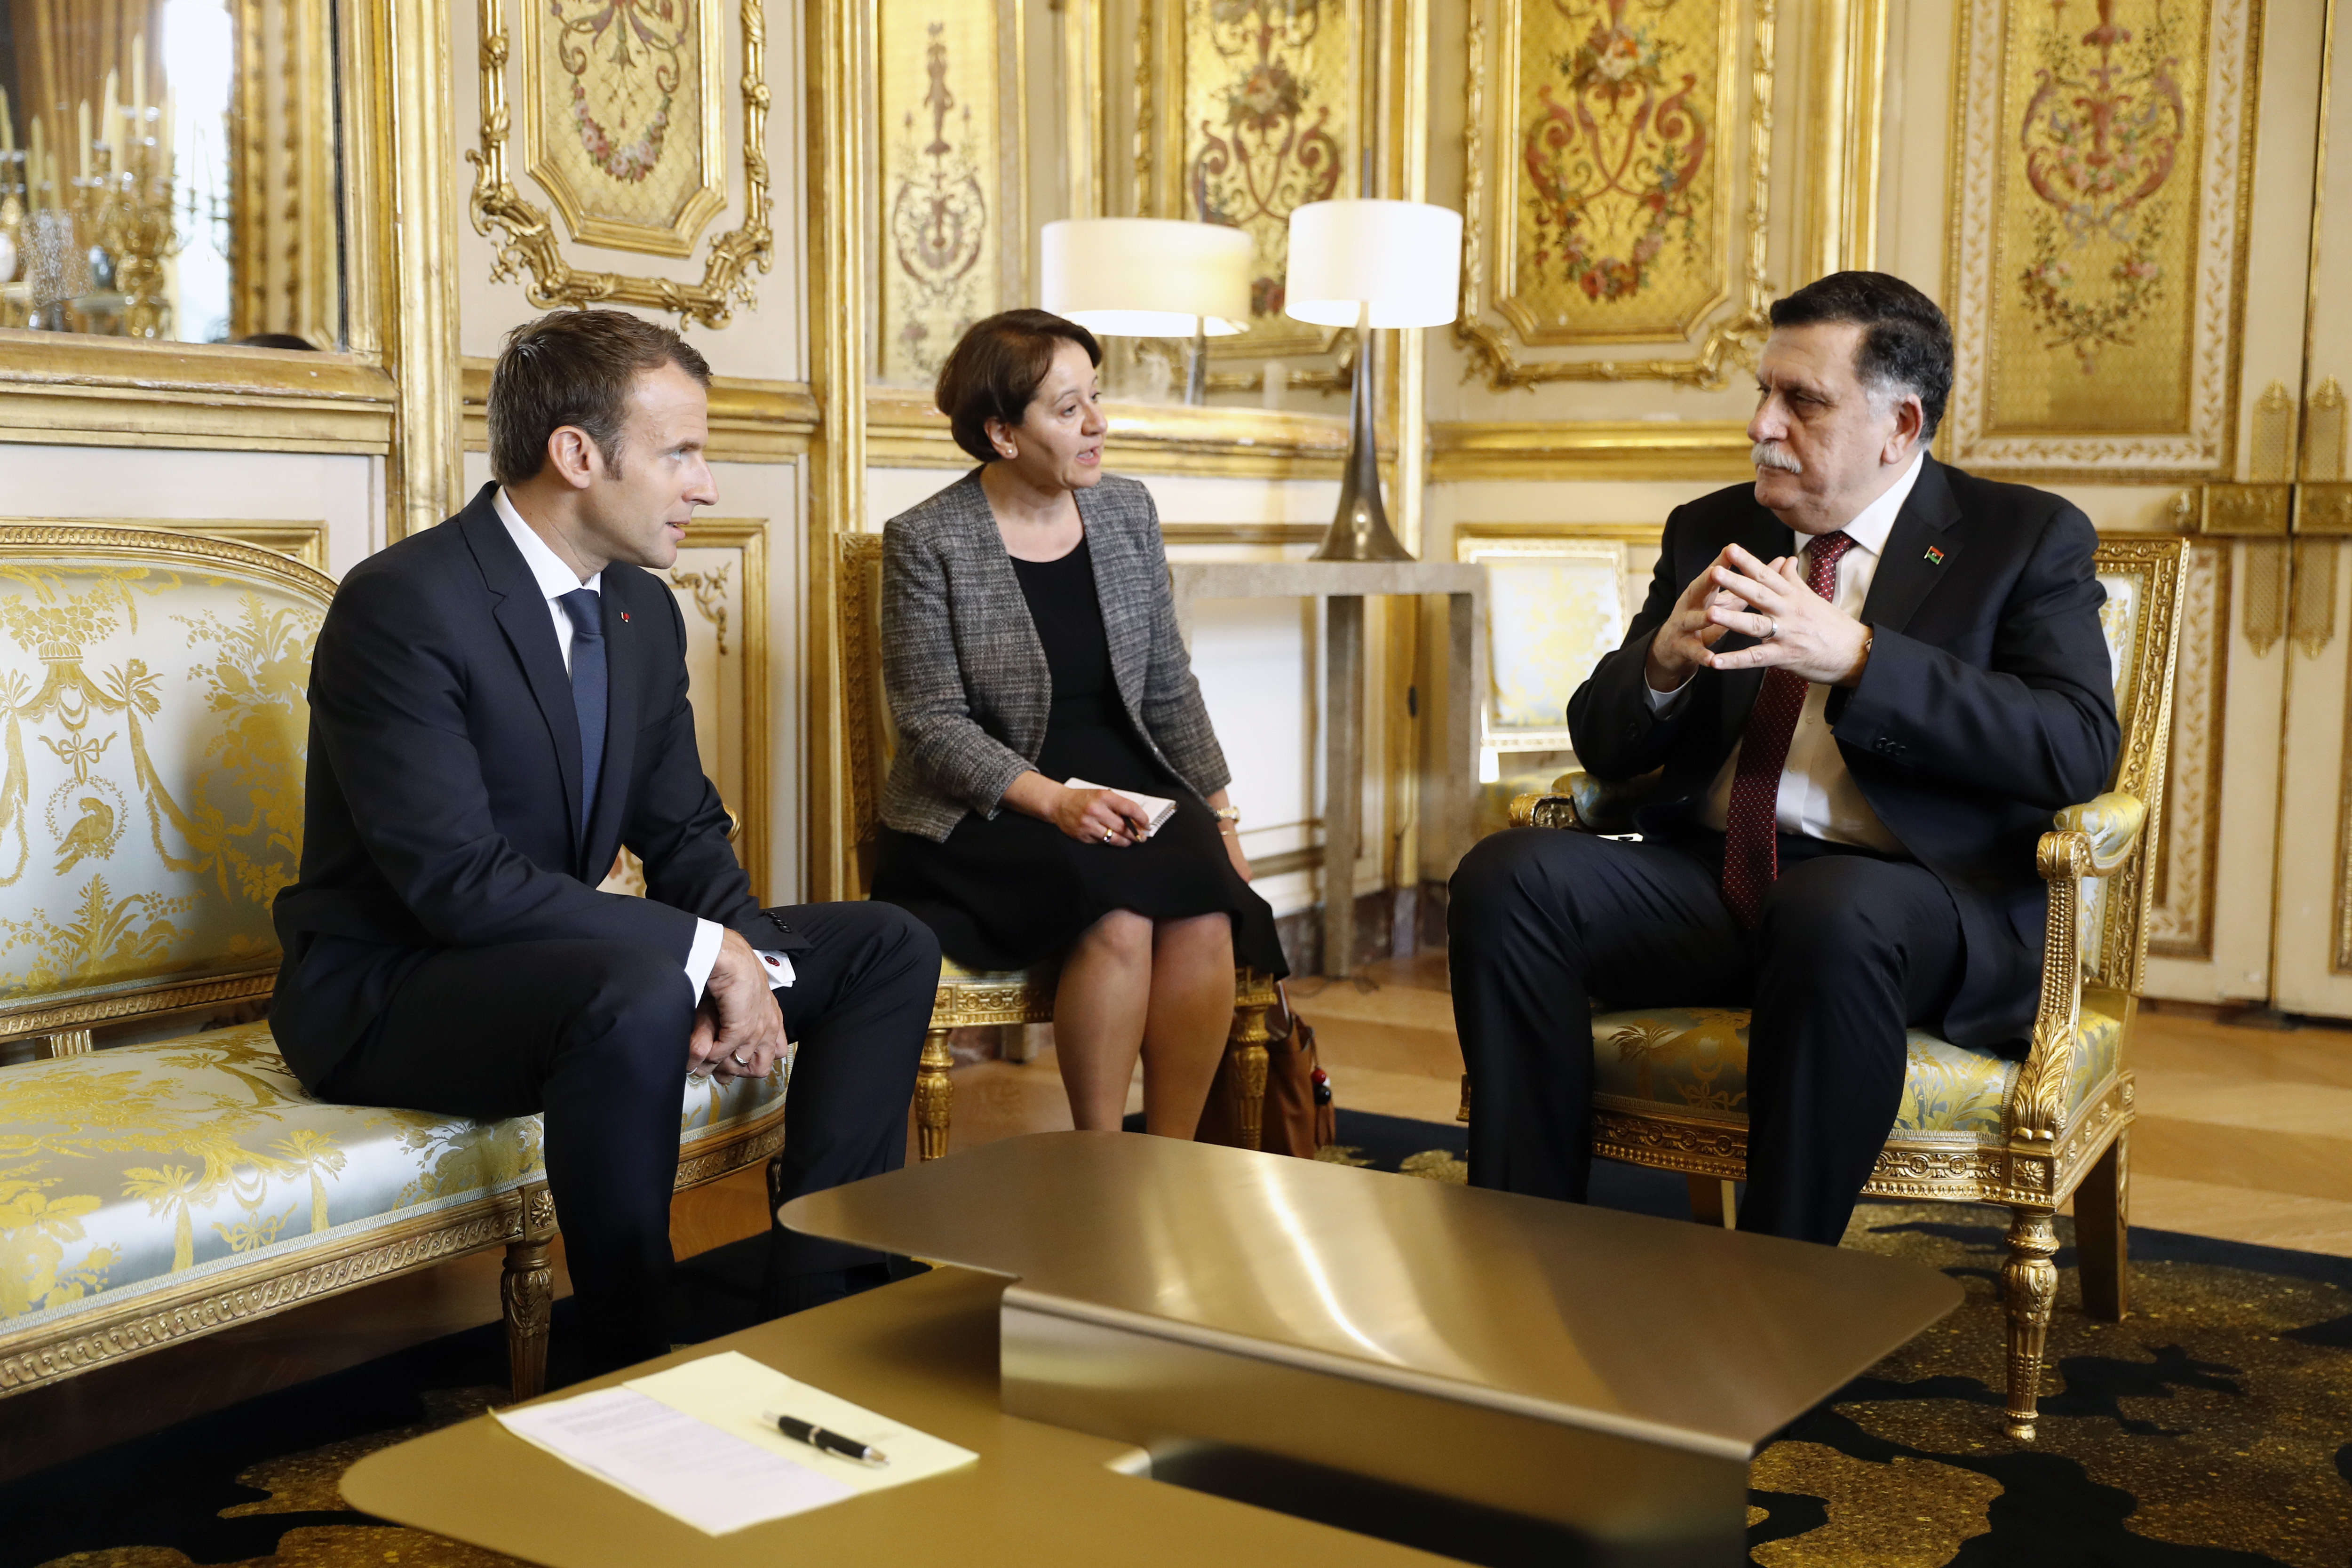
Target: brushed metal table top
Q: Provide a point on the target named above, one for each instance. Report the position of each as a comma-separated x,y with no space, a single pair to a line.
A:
1695,1336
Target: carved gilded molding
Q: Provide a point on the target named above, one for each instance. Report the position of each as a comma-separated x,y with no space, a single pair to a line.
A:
750,421
1844,100
2180,915
1490,147
61,389
2095,329
953,162
906,432
530,252
1589,450
661,206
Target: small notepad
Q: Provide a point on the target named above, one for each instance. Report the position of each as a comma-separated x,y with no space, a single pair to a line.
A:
690,1442
1157,808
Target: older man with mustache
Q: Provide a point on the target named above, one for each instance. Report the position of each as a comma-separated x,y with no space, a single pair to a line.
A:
1864,682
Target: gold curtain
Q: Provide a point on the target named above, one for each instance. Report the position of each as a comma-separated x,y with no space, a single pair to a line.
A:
64,49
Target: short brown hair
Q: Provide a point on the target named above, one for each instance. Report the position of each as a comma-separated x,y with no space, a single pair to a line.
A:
994,372
1906,343
576,368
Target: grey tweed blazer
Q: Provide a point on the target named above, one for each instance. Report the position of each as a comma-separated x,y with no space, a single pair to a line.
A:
966,674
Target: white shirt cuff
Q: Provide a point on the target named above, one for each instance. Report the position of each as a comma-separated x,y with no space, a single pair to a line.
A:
703,956
1662,700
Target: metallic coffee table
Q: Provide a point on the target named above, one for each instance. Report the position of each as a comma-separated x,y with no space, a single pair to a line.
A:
1430,1361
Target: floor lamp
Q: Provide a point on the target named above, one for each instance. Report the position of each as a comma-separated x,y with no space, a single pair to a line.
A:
1151,278
1369,264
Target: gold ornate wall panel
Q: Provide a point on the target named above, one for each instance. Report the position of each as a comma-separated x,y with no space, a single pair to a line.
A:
623,117
953,229
2181,917
1259,106
2102,166
720,579
1617,186
599,140
1616,199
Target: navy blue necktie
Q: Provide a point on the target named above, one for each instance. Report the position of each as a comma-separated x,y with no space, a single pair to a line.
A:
586,609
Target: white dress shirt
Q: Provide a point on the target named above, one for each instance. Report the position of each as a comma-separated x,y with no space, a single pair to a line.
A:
1819,798
555,579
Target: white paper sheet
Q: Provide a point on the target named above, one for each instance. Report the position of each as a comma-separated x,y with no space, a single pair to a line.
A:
1157,808
713,1480
690,1442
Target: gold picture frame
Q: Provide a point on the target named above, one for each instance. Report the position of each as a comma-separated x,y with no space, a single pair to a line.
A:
530,251
1489,138
547,158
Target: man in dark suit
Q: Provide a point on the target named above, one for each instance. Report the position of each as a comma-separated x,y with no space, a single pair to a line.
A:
496,707
1864,683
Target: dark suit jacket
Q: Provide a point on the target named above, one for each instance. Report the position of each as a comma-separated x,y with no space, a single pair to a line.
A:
443,806
1988,704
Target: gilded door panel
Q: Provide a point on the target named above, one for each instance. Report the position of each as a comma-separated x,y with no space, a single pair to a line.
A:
2210,934
1619,169
2102,154
950,211
2315,899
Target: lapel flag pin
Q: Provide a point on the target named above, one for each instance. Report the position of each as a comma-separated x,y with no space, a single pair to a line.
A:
1935,558
624,614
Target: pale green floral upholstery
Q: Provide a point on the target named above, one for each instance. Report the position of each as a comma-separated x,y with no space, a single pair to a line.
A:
148,1167
153,731
1693,1061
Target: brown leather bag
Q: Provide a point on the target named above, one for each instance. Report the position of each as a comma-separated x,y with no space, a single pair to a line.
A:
1297,1116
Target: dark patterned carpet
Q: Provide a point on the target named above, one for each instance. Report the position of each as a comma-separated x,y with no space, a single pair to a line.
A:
2212,1429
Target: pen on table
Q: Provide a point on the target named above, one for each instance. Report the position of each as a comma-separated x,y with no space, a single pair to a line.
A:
816,1437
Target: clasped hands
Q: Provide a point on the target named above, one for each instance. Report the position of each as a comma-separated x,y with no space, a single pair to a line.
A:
1800,632
738,1030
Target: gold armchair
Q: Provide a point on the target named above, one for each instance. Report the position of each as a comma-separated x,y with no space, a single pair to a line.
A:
1973,1127
970,997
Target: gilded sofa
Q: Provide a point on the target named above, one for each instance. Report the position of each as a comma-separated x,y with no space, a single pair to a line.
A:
1670,1083
969,998
154,739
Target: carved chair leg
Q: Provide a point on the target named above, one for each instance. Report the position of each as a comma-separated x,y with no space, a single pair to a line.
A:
527,1294
2102,1215
1712,1200
2029,1282
934,1095
1246,1052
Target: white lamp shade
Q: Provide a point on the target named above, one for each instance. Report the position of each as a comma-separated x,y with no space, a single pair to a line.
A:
1402,258
1148,277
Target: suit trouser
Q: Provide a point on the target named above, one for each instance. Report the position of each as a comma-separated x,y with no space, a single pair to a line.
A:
594,1034
1851,947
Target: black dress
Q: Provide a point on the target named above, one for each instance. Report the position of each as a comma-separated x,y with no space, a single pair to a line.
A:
1008,891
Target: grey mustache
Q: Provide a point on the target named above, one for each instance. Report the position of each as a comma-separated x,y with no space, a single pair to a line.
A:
1772,454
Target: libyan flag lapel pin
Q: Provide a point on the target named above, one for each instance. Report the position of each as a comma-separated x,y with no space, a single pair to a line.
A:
1935,556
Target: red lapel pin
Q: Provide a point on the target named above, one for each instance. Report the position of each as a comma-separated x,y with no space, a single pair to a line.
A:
624,615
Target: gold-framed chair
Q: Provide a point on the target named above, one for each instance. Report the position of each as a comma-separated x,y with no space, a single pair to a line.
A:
1973,1126
968,997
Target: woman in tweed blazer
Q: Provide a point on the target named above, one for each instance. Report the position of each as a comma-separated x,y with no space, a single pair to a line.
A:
1039,687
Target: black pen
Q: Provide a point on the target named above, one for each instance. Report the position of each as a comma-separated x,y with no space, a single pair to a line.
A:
816,1437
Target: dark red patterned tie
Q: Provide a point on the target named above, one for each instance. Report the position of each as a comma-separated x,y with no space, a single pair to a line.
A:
1752,847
